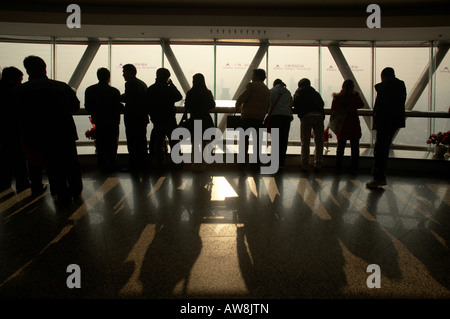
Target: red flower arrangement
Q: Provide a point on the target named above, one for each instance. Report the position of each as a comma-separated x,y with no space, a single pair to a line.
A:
439,138
327,135
90,134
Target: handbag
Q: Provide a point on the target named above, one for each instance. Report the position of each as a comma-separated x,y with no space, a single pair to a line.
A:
233,121
266,122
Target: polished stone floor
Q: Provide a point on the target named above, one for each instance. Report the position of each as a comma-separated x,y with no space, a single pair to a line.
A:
230,233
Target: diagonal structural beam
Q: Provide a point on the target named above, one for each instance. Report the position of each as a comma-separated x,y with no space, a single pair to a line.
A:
84,63
424,78
253,65
347,74
175,66
262,50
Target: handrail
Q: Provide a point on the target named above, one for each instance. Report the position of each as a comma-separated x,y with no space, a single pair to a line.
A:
361,112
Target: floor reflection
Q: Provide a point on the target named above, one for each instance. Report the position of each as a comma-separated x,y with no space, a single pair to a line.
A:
219,234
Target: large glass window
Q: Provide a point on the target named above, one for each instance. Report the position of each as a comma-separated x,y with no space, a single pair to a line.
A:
442,94
232,60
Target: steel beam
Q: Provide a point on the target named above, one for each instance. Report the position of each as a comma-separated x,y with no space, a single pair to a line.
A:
175,66
262,50
425,77
347,74
84,63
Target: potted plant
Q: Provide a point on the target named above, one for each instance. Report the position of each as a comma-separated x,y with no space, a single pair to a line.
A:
441,141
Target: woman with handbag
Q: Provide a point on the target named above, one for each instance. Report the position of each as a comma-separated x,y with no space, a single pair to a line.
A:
199,103
280,115
349,101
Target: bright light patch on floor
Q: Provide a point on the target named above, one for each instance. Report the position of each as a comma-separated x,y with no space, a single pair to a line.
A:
221,189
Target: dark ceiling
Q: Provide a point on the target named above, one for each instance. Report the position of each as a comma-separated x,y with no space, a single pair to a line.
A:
294,19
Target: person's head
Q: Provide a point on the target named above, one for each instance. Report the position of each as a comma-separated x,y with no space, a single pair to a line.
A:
35,66
103,75
258,75
129,71
303,83
198,81
279,82
348,86
387,74
12,75
162,75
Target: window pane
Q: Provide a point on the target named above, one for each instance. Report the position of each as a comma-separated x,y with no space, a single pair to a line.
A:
232,62
67,57
193,59
13,54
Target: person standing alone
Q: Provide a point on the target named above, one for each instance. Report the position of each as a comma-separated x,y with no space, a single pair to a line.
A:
388,118
102,101
253,103
348,101
135,118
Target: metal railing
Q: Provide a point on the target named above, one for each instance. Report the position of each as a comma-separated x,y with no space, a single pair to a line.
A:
362,112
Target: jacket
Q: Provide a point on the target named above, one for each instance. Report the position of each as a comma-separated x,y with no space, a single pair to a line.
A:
198,104
308,100
389,108
102,101
351,129
45,111
284,105
134,98
161,98
255,100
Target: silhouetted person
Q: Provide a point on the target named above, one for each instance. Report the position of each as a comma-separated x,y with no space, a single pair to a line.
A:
281,115
308,104
388,118
135,118
102,101
348,100
12,157
161,98
253,104
45,115
199,103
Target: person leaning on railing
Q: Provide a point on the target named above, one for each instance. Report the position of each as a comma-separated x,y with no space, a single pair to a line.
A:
388,118
253,104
